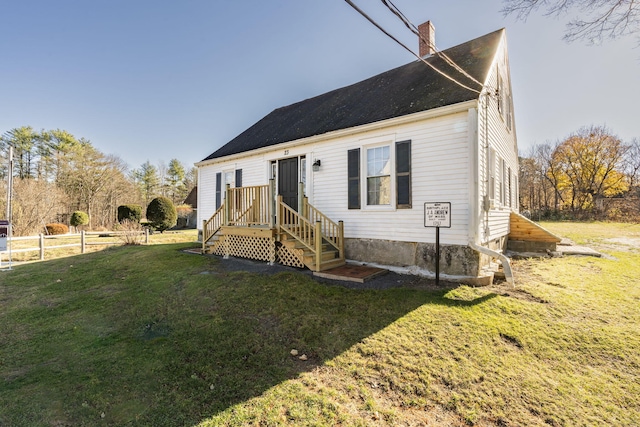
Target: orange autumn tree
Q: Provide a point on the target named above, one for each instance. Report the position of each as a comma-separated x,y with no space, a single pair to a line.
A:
589,166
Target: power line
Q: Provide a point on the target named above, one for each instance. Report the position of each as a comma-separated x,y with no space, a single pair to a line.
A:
368,18
394,9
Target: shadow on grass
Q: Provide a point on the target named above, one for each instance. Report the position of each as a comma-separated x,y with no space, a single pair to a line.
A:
153,336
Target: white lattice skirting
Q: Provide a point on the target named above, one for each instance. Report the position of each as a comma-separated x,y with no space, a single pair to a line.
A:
290,257
259,248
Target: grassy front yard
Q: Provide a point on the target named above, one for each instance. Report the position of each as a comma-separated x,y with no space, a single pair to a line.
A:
152,336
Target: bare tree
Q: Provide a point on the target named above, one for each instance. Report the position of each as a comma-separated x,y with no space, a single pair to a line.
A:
88,171
117,190
632,163
34,203
595,19
550,181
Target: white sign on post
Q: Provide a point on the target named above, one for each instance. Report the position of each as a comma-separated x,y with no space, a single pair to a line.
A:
437,214
4,233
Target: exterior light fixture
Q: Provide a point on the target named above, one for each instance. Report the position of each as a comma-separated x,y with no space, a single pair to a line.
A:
316,165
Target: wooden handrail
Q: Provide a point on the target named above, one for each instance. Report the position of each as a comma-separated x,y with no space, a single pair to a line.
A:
253,206
249,206
332,232
311,228
212,225
295,225
243,206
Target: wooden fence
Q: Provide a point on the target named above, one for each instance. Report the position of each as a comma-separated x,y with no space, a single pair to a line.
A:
61,241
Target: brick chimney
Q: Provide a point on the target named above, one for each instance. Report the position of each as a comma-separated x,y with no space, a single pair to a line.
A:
428,35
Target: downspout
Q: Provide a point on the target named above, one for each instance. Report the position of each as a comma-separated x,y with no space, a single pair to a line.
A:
506,265
486,204
475,243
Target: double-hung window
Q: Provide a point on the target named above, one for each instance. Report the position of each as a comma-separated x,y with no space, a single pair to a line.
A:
231,177
380,176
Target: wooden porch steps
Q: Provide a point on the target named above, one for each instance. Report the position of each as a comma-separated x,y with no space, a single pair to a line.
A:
330,257
252,223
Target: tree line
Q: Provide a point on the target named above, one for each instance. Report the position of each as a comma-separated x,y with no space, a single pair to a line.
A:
591,174
56,174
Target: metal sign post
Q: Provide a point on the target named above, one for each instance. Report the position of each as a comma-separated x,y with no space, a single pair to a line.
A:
437,215
5,225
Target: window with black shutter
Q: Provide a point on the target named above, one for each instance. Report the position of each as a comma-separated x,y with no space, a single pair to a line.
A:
218,190
353,173
403,174
238,178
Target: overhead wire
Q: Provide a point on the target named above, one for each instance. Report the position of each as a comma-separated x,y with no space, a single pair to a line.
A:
396,11
372,21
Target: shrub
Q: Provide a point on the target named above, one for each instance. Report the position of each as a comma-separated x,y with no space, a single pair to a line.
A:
56,228
79,218
161,213
131,232
129,212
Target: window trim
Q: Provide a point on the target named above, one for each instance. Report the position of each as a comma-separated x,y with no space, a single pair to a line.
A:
492,175
218,190
364,195
357,174
228,172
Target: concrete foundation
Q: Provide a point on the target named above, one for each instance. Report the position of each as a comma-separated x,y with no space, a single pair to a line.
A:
524,246
455,260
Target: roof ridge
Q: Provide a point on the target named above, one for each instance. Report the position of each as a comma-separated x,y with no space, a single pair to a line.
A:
406,89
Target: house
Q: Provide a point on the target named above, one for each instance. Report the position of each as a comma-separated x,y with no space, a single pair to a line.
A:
346,175
191,220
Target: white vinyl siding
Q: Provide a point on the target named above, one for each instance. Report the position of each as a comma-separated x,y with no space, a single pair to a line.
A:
496,133
449,163
207,182
439,173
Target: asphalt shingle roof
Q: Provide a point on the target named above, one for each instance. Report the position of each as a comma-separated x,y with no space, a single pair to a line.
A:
408,89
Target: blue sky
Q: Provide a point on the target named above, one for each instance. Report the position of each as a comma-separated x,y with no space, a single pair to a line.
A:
156,80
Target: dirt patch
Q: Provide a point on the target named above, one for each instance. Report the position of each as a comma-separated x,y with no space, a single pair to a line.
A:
624,244
504,289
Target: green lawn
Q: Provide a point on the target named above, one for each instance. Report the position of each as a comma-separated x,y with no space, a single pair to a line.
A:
152,336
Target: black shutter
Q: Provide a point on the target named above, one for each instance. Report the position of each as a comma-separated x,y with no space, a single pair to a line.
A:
403,174
218,188
238,178
353,173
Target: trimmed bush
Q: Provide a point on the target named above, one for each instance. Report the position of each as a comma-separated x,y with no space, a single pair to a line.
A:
56,228
129,213
162,213
79,218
